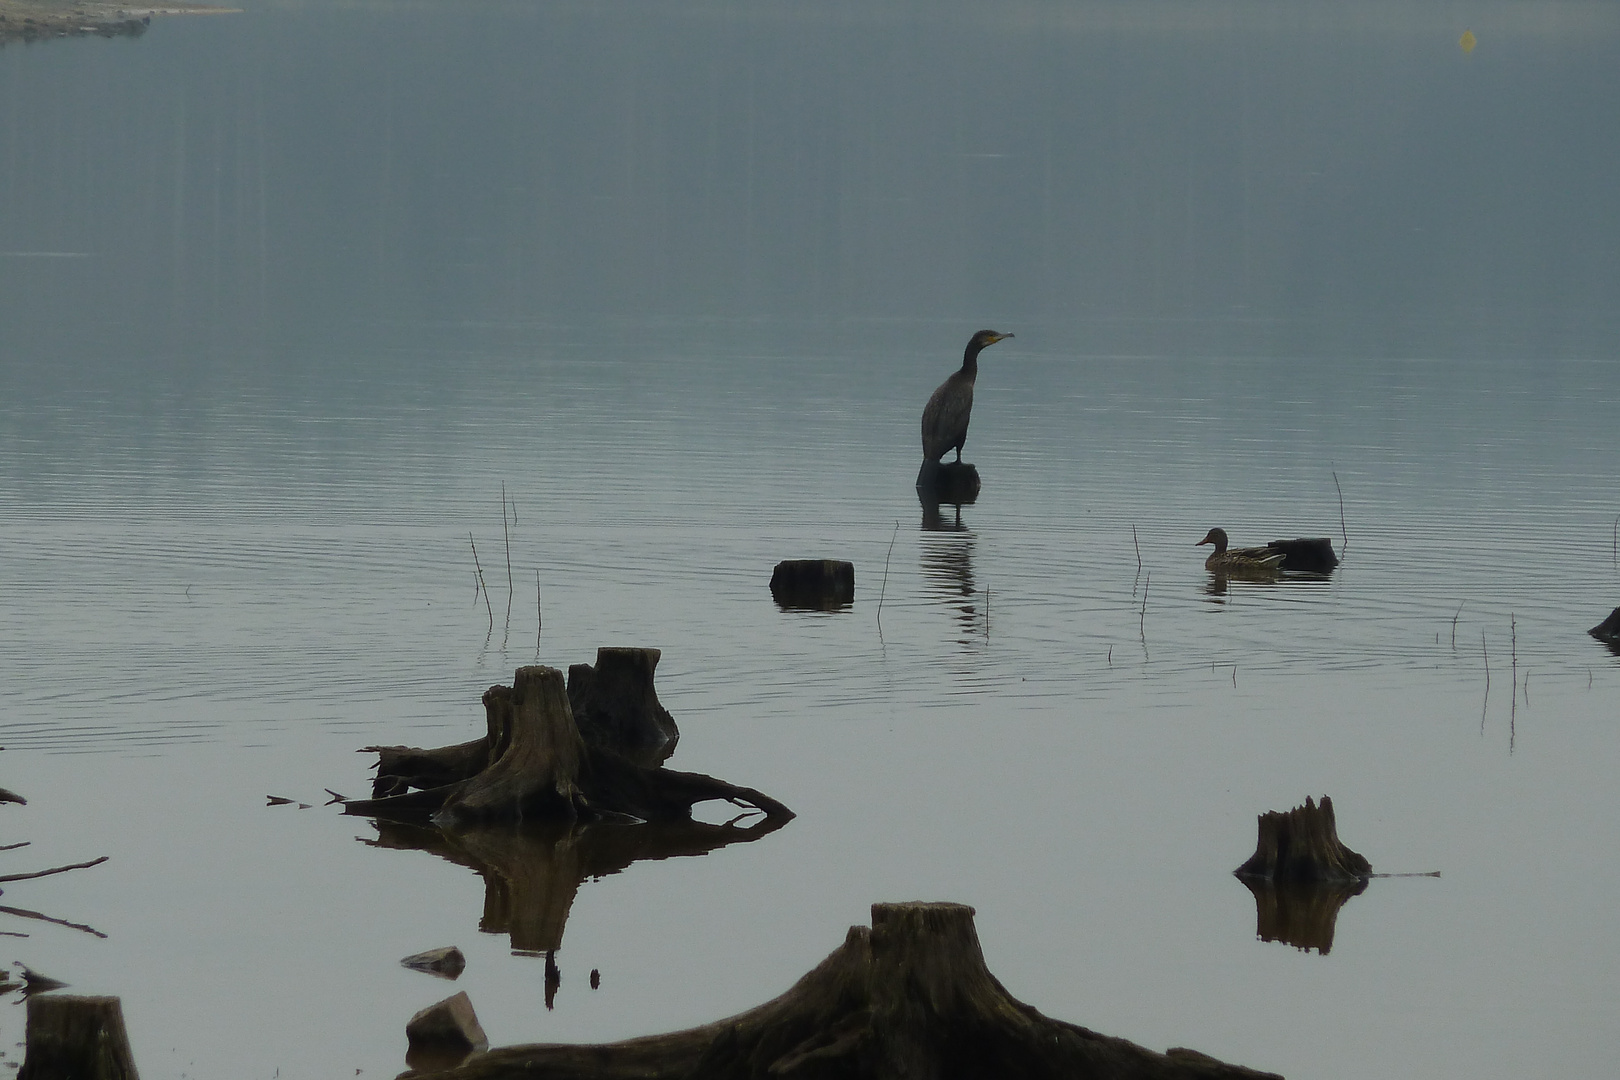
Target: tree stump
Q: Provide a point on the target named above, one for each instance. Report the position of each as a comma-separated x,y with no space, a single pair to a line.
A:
1300,915
1302,846
1312,555
813,584
444,1034
535,764
76,1038
948,482
615,705
909,998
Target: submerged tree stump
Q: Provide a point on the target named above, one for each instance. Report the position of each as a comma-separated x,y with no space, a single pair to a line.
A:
910,998
1302,846
813,584
1608,631
948,482
76,1038
534,763
1311,555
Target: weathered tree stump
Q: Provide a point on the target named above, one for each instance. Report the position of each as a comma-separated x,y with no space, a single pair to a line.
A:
813,584
1311,555
76,1038
1302,846
535,764
1608,631
442,1035
1301,915
948,482
615,705
911,997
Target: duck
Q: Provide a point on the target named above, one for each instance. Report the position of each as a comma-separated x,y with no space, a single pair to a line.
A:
945,417
1229,560
1311,555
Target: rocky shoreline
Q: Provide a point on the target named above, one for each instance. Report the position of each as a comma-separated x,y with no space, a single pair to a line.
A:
40,20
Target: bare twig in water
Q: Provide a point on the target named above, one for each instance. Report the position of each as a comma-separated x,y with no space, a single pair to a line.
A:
25,843
1344,534
507,536
539,616
1138,548
1110,656
1486,653
1513,647
1234,676
884,590
54,870
479,569
987,613
21,913
1454,619
1142,621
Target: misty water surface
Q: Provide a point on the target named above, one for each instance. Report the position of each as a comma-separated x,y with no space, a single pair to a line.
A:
286,297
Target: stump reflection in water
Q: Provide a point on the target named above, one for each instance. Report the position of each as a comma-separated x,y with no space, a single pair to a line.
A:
532,871
1300,915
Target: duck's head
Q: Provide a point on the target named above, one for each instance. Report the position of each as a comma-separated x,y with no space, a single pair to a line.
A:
1216,537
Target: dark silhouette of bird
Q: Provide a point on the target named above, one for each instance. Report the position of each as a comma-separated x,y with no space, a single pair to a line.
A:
945,417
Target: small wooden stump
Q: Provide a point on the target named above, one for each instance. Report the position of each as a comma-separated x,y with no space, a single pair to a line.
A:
954,482
76,1038
813,584
911,997
1313,555
443,1035
1302,846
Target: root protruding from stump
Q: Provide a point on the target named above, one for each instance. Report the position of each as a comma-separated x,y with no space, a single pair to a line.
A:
909,997
536,763
1302,847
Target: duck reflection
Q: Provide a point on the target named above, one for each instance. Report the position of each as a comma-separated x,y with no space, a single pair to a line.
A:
532,871
1301,915
1220,581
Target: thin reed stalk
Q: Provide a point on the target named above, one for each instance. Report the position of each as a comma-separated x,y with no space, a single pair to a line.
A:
1344,534
479,569
884,590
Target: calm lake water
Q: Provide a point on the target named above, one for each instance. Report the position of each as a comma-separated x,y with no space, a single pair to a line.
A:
287,297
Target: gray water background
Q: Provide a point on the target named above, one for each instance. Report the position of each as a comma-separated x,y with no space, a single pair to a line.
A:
287,296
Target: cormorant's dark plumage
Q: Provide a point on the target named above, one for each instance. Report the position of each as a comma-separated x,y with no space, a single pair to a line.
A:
945,417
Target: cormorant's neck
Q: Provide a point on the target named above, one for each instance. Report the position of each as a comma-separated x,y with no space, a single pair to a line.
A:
970,360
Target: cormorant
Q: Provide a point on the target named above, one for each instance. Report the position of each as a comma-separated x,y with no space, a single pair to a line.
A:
945,417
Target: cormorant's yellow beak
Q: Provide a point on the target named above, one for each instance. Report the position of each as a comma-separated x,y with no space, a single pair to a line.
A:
1000,337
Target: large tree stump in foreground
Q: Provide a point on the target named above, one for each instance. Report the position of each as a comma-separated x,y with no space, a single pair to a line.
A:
534,763
910,998
1302,846
76,1038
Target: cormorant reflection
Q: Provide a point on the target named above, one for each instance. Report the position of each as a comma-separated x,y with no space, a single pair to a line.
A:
1301,915
532,871
947,564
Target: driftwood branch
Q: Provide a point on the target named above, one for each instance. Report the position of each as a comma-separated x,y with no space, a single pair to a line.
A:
23,913
54,870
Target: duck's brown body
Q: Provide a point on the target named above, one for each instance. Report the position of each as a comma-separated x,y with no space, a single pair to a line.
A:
1238,559
945,417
